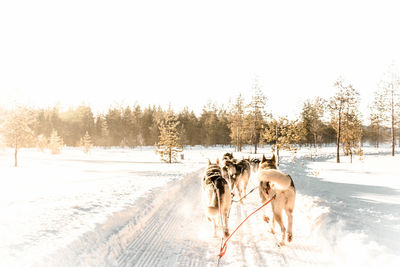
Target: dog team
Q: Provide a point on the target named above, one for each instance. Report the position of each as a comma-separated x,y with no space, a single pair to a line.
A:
221,182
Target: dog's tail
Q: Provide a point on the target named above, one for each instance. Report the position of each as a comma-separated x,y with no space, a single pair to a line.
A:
292,183
276,178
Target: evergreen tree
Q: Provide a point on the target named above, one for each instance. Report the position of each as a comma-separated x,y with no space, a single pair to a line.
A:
378,115
17,129
344,101
189,127
55,143
283,135
255,115
390,85
115,125
351,133
168,145
209,124
137,135
311,117
41,142
86,143
236,123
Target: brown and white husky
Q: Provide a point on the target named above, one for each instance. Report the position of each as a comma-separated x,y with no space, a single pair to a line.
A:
214,186
274,182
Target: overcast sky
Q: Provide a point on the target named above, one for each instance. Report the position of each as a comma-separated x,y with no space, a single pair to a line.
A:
185,53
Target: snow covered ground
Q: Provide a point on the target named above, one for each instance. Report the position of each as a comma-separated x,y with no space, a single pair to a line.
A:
122,207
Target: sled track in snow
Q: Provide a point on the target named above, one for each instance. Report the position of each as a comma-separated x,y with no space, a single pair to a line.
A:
168,238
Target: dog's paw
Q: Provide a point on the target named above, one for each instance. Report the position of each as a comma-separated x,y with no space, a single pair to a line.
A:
226,234
266,219
290,237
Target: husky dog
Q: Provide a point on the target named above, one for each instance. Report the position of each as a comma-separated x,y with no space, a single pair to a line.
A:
238,174
228,157
254,164
217,196
274,182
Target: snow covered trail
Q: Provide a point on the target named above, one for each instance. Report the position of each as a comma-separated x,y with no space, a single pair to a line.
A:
158,231
168,228
168,238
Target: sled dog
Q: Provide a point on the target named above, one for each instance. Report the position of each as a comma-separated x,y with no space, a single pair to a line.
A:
274,182
214,186
254,164
228,157
238,174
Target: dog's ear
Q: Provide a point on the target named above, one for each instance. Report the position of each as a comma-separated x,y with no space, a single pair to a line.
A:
217,161
273,158
209,162
263,159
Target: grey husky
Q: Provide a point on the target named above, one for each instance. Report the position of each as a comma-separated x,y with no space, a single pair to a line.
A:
238,174
217,196
274,182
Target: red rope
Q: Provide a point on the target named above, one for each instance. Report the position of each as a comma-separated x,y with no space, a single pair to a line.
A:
224,246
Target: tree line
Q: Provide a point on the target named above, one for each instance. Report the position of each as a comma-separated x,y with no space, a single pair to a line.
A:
320,121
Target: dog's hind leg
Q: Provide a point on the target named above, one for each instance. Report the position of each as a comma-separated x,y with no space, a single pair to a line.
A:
278,218
289,213
215,226
273,224
226,228
263,198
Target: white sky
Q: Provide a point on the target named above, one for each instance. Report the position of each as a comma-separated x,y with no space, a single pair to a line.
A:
184,53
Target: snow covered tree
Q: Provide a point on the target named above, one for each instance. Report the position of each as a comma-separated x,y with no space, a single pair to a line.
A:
344,101
236,123
168,145
283,135
17,129
55,143
86,142
255,115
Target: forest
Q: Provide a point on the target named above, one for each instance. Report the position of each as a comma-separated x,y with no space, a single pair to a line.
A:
336,120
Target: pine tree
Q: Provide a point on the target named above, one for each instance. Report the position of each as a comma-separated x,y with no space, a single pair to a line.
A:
86,143
283,134
345,100
236,123
55,143
311,116
168,145
209,124
351,133
42,142
378,115
390,85
17,129
255,115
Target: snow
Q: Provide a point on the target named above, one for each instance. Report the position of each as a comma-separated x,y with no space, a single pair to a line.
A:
123,207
